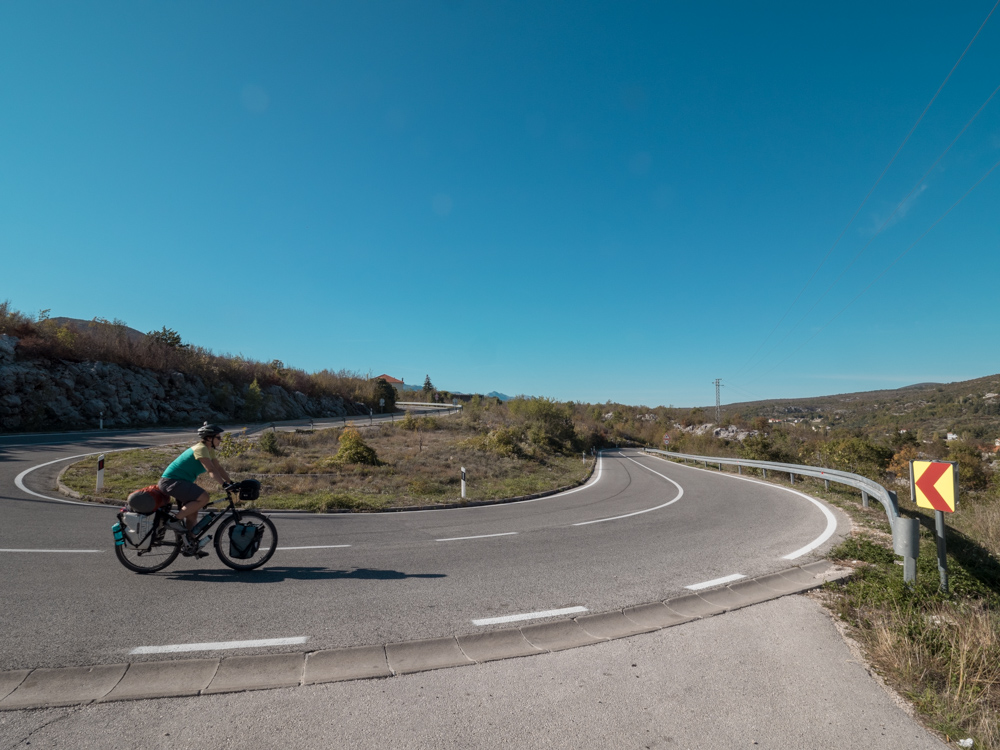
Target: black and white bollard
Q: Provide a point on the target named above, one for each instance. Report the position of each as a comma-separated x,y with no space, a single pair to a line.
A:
463,483
100,472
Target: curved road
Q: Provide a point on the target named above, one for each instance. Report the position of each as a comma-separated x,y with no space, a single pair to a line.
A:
642,530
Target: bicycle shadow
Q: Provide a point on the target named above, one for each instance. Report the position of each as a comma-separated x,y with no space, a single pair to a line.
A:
278,574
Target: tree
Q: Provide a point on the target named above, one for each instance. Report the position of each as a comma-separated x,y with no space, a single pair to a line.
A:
428,385
254,402
385,391
167,337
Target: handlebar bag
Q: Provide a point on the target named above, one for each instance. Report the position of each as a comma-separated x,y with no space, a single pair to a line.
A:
244,540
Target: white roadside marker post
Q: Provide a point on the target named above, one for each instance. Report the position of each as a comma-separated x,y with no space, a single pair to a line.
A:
101,426
463,483
100,472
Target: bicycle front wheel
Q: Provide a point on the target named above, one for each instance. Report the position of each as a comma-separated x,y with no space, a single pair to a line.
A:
163,551
268,541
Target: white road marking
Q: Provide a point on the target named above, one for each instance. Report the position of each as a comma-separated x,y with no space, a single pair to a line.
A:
530,616
481,536
316,546
219,646
50,550
19,481
831,520
716,582
680,494
591,483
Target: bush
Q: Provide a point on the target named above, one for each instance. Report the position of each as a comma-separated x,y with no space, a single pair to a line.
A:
502,441
973,472
354,450
269,443
234,445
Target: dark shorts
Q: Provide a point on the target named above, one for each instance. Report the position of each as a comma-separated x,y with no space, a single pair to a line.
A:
181,490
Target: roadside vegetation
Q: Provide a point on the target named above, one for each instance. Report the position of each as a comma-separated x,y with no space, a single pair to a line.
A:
41,338
522,448
939,650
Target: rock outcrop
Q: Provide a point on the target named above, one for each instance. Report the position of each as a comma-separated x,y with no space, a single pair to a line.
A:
36,395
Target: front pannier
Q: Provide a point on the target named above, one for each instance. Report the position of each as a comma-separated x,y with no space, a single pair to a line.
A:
244,540
148,500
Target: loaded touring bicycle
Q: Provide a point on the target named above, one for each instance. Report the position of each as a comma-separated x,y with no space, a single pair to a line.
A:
244,539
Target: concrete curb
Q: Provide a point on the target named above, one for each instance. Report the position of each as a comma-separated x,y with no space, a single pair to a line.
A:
47,688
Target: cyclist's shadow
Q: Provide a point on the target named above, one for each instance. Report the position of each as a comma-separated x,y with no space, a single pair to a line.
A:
275,574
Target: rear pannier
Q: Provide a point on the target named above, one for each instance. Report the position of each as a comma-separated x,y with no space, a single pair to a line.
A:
148,500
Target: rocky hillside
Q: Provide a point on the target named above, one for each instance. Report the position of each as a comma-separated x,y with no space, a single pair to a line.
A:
38,395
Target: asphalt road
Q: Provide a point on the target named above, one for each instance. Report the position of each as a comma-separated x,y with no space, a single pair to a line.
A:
641,531
773,675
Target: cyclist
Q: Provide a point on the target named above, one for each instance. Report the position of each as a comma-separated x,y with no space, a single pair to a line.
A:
178,481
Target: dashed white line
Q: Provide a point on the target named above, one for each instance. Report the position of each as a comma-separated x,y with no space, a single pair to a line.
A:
316,546
529,616
50,550
218,646
481,536
716,582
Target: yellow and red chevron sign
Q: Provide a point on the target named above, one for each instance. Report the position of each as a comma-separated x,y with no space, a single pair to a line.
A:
934,485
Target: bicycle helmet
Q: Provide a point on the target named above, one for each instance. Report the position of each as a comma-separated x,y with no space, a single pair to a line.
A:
209,430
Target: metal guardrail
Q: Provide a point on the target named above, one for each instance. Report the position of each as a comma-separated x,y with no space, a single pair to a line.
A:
905,531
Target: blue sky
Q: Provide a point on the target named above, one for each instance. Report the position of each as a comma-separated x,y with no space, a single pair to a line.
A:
585,201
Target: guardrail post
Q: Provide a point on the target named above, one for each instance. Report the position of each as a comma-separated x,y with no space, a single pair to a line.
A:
791,477
864,499
906,543
765,473
739,468
942,549
827,483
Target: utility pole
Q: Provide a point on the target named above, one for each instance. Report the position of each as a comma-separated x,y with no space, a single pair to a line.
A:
718,402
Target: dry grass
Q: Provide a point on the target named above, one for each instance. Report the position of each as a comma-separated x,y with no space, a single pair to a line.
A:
421,466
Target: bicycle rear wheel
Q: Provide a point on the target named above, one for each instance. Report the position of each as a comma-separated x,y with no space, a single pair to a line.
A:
268,541
163,551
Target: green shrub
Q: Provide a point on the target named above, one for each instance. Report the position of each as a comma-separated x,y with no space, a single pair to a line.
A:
254,402
354,450
269,443
234,444
502,441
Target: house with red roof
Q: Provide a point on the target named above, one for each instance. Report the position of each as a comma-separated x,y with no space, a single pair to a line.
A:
394,382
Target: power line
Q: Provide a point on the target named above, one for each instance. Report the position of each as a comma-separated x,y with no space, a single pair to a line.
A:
863,202
881,228
886,269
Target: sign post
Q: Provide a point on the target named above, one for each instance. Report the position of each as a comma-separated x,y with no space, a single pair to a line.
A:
934,485
100,472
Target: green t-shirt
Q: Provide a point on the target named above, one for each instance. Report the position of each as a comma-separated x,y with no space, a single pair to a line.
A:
188,466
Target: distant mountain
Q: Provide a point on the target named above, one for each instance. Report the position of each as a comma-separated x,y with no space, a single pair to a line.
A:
501,396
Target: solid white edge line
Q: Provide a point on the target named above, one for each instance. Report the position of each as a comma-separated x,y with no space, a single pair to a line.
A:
51,550
591,483
315,546
19,481
680,494
831,520
219,646
481,536
716,582
530,616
